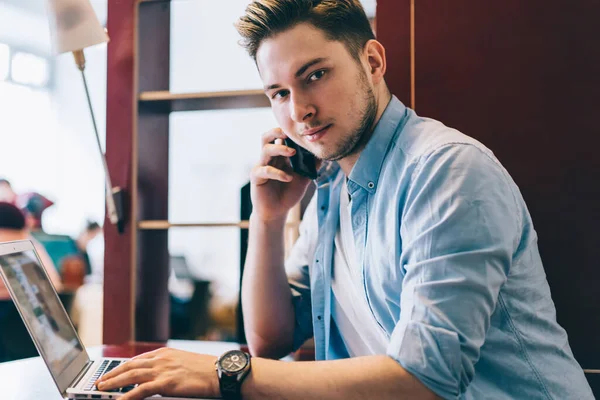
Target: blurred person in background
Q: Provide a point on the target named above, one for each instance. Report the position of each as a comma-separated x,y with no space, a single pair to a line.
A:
12,228
64,251
15,342
33,206
91,231
7,194
86,309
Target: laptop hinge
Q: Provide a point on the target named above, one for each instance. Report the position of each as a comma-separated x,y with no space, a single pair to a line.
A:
82,374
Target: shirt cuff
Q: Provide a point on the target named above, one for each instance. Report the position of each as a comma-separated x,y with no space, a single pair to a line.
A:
433,355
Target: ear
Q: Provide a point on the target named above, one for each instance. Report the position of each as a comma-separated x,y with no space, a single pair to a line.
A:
375,57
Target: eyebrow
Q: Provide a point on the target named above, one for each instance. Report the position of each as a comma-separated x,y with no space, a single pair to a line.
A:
300,71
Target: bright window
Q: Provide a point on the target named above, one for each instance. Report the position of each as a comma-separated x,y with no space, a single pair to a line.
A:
210,156
29,69
28,139
205,54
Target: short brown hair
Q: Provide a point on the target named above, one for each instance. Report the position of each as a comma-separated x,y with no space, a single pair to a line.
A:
340,20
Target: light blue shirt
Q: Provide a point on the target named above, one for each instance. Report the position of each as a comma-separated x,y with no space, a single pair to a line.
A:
449,264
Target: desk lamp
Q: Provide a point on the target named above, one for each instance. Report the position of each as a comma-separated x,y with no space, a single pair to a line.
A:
74,27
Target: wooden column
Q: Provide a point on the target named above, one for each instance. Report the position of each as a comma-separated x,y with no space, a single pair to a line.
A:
136,301
152,296
120,116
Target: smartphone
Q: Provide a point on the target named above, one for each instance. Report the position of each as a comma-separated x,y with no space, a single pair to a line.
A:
303,161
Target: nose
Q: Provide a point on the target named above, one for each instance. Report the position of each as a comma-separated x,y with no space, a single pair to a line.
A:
301,108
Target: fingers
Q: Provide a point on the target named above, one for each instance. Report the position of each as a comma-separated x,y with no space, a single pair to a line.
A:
271,151
143,391
136,376
270,136
262,173
127,366
274,162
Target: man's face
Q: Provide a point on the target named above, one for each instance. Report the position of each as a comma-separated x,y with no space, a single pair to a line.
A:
321,96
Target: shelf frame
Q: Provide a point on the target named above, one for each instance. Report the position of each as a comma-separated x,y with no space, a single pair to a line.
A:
166,102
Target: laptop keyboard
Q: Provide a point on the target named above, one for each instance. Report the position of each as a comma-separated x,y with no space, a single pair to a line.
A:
105,368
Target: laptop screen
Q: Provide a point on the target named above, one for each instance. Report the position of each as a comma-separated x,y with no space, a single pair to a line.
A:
40,306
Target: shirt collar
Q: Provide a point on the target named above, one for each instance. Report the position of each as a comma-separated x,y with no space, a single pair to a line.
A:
327,172
366,171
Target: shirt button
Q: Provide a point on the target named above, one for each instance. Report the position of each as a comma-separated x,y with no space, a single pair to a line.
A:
319,317
371,185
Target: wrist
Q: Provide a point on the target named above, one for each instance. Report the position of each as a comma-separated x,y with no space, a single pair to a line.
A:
216,384
270,223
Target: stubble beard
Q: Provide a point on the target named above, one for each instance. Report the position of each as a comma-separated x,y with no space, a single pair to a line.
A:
356,141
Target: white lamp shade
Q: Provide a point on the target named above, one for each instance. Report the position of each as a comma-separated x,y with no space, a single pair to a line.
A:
74,25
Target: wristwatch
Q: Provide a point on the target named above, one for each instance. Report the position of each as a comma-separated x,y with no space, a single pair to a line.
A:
232,368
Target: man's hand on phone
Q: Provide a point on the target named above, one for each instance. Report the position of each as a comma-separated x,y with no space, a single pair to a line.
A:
275,187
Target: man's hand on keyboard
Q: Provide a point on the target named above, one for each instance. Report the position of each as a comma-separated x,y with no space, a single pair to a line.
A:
167,372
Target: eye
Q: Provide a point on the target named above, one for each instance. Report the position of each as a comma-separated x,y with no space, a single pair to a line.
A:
280,94
315,76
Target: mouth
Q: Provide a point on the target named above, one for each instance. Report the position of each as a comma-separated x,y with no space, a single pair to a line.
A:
312,135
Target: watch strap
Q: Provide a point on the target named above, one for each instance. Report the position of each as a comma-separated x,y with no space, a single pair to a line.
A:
231,385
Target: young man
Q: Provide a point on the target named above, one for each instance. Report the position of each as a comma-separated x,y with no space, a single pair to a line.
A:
417,270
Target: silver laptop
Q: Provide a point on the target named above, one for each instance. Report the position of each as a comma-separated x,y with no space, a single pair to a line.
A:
50,326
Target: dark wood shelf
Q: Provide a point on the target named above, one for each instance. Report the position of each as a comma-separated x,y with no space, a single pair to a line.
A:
165,101
151,225
158,225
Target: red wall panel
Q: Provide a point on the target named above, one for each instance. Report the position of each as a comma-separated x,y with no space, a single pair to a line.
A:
523,78
393,31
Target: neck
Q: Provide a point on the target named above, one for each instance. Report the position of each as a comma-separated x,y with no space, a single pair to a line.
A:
383,98
9,235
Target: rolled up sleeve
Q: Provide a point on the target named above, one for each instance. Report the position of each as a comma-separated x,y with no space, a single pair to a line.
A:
298,272
459,231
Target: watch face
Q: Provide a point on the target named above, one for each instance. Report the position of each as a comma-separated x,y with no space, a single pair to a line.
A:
234,361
